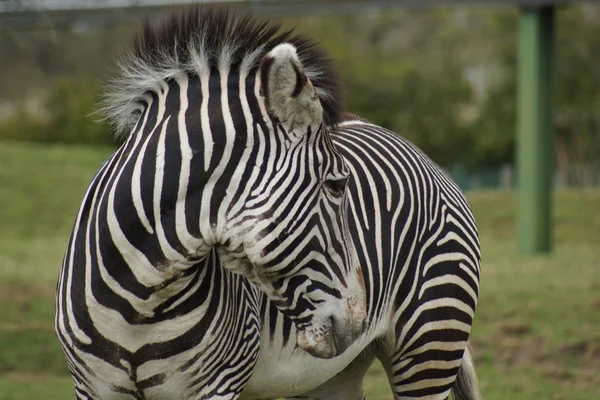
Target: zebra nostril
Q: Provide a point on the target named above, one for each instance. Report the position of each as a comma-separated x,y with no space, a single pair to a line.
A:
333,335
332,323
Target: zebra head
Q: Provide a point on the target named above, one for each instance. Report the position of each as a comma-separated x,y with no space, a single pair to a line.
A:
290,235
238,117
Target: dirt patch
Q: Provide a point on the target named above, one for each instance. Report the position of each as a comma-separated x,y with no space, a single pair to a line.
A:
513,345
574,350
595,305
8,327
515,330
585,351
557,373
26,377
522,351
21,293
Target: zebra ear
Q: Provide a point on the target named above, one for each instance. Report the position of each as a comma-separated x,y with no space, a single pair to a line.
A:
289,94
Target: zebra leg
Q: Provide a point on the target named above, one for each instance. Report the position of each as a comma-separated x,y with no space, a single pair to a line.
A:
405,382
418,376
423,357
466,386
347,385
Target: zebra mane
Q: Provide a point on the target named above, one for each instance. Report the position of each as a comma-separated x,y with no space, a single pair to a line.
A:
202,39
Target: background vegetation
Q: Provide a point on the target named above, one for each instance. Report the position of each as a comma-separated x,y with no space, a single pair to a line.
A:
444,78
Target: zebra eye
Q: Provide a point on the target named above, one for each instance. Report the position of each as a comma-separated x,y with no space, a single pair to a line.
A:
336,186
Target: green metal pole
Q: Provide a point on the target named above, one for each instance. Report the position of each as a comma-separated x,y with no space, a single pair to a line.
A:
535,144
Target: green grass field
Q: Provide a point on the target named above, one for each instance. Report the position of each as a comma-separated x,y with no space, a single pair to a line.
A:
537,330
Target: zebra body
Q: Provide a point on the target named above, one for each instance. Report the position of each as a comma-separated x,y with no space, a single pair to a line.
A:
246,241
395,189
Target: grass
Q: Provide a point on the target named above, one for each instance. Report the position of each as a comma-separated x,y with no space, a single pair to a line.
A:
536,334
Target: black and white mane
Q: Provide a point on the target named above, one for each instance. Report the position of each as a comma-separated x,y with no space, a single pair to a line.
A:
200,40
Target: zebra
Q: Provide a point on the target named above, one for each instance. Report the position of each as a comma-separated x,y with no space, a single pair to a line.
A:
250,240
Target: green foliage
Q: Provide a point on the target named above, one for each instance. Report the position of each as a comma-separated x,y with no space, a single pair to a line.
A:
576,100
399,74
406,72
70,119
492,134
71,106
577,121
442,78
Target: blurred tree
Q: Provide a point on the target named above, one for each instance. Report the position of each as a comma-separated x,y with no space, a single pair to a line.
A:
402,72
71,107
68,117
577,123
444,79
492,132
31,61
577,94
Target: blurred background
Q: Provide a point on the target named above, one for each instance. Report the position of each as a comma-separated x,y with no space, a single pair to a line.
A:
443,77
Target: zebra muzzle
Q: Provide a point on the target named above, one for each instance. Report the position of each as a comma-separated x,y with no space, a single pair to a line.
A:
330,336
317,342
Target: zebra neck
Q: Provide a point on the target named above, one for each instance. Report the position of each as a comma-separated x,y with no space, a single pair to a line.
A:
142,223
167,191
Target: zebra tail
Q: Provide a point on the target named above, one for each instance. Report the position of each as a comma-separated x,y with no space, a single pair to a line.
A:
466,386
